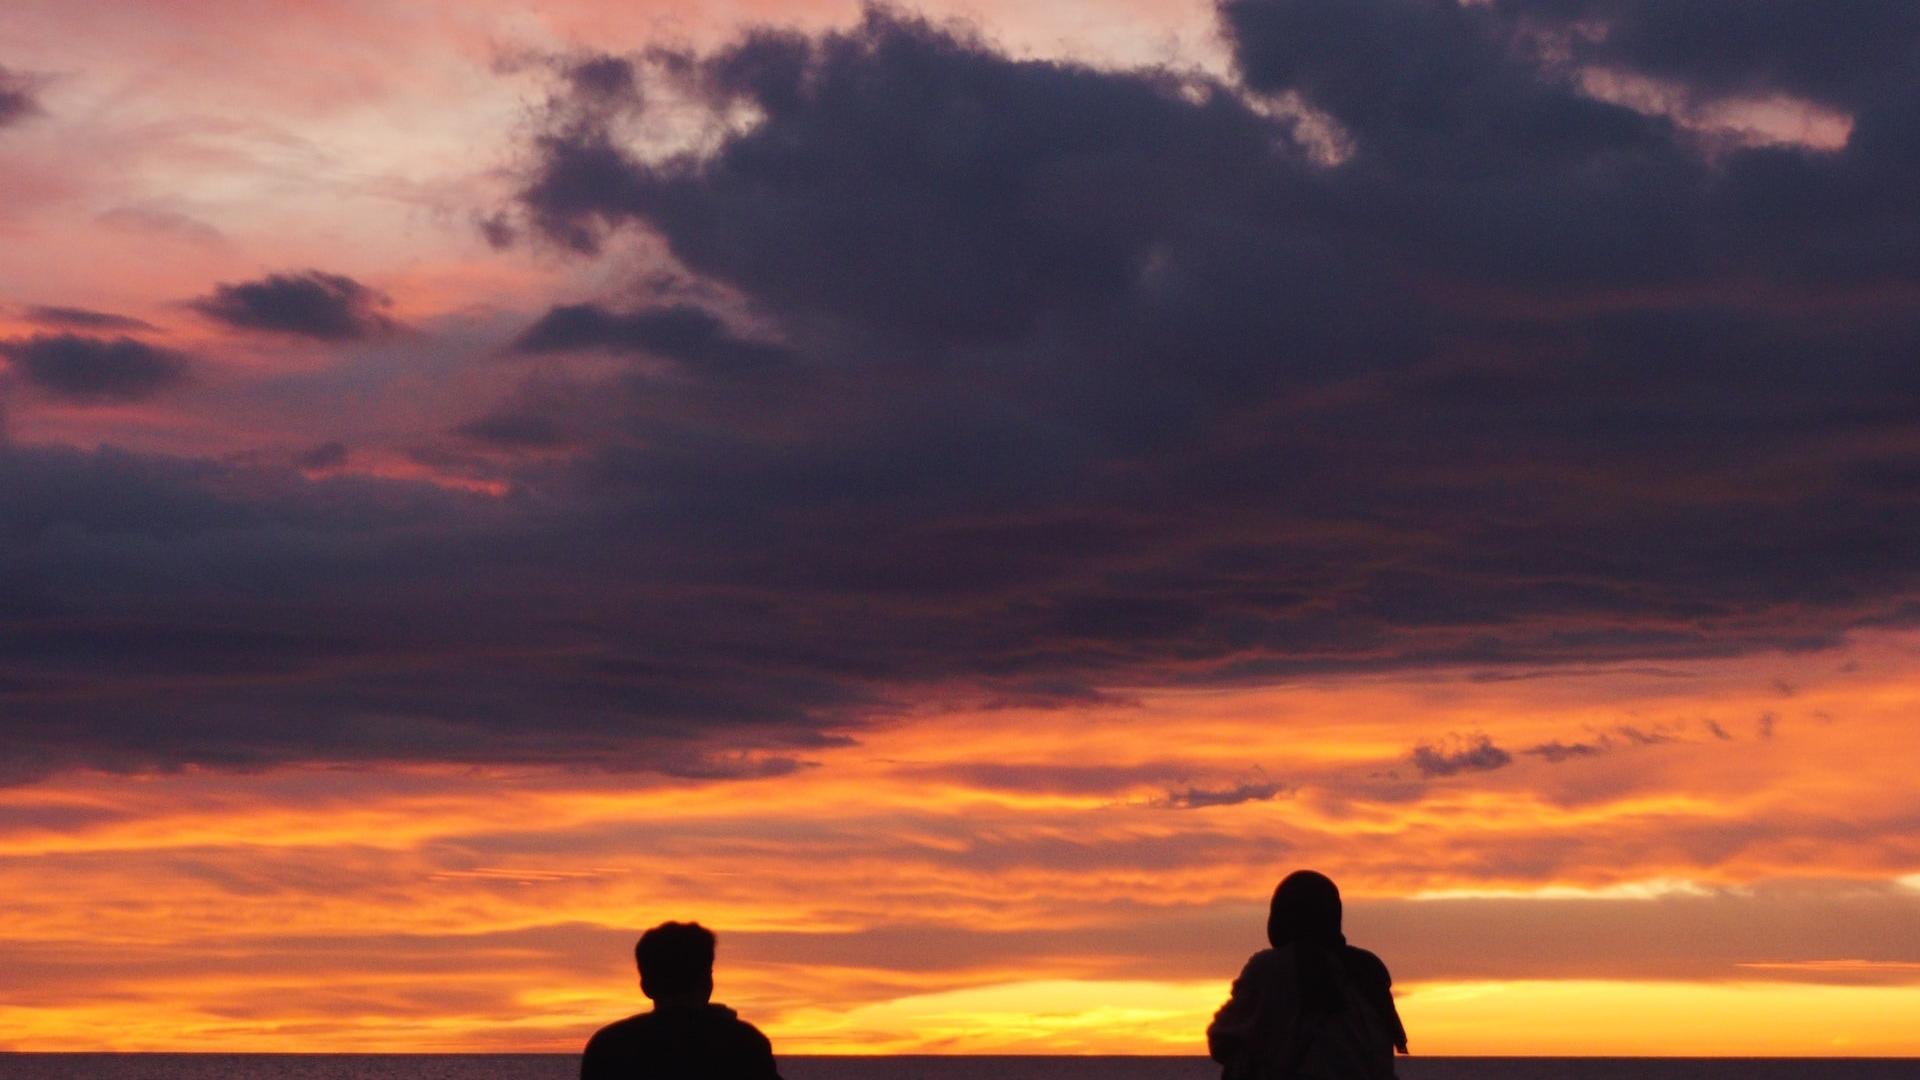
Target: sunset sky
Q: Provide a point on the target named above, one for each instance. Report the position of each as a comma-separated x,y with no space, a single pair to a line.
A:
960,499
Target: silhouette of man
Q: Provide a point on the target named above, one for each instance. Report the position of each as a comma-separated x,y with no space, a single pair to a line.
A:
1312,1007
686,1036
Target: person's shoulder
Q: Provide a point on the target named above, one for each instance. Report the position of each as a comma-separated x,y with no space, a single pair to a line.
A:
1363,962
1263,958
1260,964
739,1028
621,1030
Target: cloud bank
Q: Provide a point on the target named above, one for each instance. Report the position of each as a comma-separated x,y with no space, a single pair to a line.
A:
1015,379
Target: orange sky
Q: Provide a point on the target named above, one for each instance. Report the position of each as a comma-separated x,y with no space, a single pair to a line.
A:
1638,855
1739,875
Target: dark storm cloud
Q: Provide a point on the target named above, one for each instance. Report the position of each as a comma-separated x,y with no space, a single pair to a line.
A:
1737,47
1457,755
328,307
373,621
88,370
1025,380
17,98
1479,151
73,318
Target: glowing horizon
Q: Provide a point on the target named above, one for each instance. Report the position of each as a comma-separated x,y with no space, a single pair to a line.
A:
1086,893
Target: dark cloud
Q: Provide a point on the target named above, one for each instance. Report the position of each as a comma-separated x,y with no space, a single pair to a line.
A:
1455,755
608,80
1570,670
1024,379
372,621
73,318
328,307
17,97
1737,47
1623,736
1639,737
1556,751
730,766
88,370
681,332
1195,798
1478,110
514,430
498,230
328,455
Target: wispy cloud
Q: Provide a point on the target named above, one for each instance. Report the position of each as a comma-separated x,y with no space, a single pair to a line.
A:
18,100
1457,754
1197,798
74,318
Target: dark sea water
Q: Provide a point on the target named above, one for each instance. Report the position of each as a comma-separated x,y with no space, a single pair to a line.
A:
565,1066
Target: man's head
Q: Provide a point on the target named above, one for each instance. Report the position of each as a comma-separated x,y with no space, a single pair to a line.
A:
676,963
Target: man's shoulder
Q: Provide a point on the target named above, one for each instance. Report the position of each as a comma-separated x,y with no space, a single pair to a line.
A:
622,1028
728,1020
713,1019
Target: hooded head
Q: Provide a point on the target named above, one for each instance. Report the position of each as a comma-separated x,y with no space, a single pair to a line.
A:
1306,909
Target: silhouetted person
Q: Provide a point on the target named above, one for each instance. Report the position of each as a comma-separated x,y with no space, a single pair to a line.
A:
1312,1007
686,1036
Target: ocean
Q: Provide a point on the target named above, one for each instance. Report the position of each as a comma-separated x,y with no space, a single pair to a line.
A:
565,1067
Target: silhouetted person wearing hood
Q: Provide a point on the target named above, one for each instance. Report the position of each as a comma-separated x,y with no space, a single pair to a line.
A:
686,1036
1312,1007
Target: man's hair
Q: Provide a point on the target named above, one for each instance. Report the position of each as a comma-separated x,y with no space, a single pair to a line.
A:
675,956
